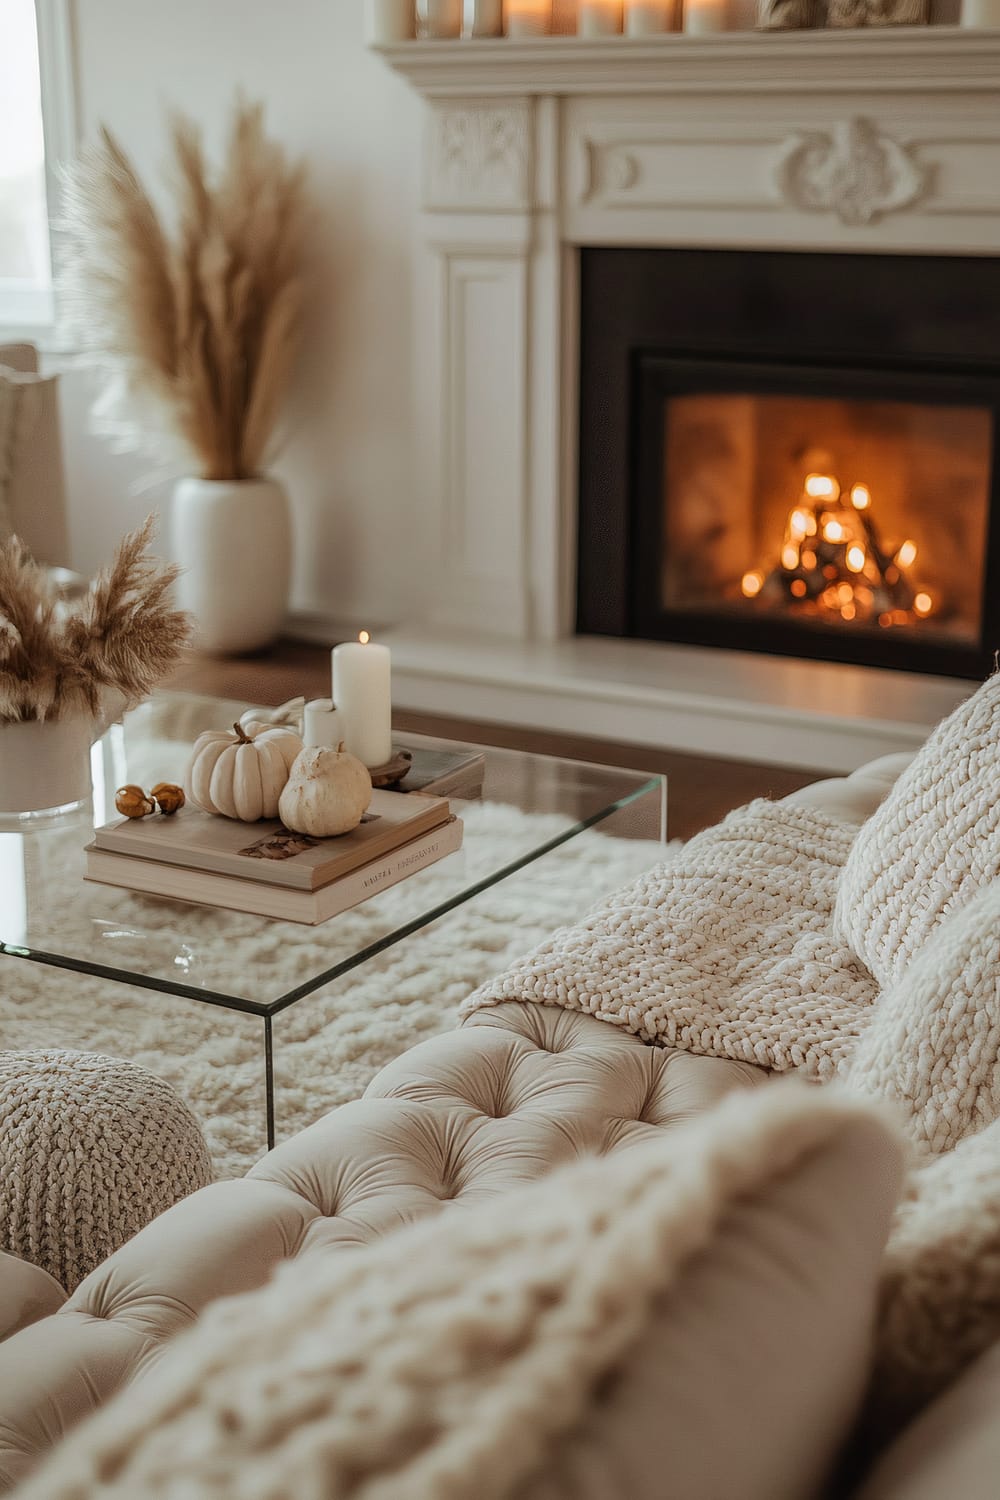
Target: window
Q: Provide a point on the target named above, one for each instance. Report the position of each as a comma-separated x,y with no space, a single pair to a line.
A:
25,258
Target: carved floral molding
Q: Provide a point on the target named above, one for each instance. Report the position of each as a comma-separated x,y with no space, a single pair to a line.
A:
855,171
480,156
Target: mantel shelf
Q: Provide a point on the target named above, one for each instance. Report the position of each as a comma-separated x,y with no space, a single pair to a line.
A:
905,59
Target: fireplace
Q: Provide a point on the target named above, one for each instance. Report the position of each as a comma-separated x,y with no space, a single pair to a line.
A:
666,288
792,453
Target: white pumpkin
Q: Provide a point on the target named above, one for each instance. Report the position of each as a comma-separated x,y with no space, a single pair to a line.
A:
241,774
289,715
327,793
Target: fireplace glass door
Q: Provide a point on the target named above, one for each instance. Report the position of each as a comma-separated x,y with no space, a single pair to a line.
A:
832,513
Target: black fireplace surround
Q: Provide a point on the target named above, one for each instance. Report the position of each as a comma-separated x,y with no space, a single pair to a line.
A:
658,322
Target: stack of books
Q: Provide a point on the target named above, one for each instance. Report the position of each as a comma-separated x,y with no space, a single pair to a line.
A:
265,869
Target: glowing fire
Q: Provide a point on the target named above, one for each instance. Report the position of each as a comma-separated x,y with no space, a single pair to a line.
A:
832,562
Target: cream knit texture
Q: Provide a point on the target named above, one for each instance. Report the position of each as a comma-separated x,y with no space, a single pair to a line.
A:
932,844
440,1362
940,1292
734,948
933,1047
91,1149
726,948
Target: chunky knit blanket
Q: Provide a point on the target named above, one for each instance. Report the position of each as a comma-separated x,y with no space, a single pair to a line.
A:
727,948
786,938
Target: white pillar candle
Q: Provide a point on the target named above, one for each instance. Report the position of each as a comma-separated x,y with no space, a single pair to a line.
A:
648,17
487,18
599,18
702,17
362,691
442,18
321,724
985,13
528,17
391,21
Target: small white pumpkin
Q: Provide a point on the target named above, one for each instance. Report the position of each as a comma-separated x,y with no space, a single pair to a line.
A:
288,715
327,793
241,774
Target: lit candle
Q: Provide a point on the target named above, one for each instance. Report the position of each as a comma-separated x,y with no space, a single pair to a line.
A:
704,16
363,694
391,21
321,724
599,18
528,17
648,17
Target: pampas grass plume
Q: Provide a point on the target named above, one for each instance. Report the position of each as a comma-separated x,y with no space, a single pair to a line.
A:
201,326
123,637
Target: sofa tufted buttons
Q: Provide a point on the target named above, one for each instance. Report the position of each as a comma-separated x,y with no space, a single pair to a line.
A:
499,1108
649,1114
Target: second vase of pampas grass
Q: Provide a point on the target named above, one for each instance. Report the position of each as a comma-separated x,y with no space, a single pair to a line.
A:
68,671
195,330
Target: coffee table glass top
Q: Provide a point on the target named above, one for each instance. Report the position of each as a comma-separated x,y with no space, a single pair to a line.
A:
531,804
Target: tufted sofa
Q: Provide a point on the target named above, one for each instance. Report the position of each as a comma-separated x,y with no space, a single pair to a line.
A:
515,1091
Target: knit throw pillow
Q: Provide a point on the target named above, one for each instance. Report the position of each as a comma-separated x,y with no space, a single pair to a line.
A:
939,1304
932,844
933,1045
689,1316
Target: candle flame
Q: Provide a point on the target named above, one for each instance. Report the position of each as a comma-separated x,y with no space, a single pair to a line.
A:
364,637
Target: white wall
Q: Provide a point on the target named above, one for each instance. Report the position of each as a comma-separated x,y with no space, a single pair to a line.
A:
350,467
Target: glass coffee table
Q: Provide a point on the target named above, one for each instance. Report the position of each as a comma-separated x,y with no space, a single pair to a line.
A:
531,805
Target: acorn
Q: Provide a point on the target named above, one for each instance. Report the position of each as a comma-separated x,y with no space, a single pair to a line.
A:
168,797
132,802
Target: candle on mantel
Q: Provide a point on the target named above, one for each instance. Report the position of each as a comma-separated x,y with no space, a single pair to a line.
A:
648,17
486,18
362,691
528,17
701,17
980,13
441,18
391,21
599,18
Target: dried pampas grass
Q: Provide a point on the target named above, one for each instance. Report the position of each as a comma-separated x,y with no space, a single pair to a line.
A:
200,329
123,637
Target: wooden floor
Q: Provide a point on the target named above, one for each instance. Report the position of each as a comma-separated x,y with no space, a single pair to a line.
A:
702,789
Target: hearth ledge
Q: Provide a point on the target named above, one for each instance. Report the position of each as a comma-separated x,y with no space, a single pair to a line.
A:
735,704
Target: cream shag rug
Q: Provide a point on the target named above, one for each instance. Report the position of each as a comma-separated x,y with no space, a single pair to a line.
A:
329,1045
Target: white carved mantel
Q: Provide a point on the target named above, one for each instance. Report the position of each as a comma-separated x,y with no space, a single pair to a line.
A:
883,141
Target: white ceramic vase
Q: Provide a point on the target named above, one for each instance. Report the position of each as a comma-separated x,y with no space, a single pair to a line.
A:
45,766
233,540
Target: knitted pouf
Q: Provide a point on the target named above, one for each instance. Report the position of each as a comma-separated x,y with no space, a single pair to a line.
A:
91,1149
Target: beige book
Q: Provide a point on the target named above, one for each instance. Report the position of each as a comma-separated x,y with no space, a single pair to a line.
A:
203,888
269,852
